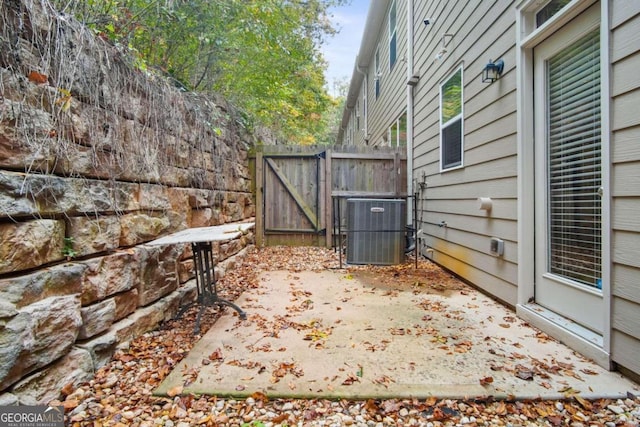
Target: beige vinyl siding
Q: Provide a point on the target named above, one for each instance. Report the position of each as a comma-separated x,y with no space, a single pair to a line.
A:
482,31
391,102
485,30
625,183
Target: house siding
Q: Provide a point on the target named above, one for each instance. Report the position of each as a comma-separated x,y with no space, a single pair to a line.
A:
625,171
456,232
391,102
481,31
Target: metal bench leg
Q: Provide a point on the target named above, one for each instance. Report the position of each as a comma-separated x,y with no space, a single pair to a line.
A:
206,283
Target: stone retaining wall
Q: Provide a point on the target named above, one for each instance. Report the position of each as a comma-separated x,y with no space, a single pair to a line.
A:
98,157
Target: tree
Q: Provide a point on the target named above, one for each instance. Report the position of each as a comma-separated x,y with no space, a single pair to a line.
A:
332,116
262,55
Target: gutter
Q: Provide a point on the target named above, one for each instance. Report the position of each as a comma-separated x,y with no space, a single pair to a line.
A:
410,87
377,12
365,117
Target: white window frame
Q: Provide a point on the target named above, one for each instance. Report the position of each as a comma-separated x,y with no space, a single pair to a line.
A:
452,121
398,124
393,35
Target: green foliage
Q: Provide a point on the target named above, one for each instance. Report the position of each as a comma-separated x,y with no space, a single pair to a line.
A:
262,55
327,129
67,249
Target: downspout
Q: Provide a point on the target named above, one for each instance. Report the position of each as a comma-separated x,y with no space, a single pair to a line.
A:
365,107
410,112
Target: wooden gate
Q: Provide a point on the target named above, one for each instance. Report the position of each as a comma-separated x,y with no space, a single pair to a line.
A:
297,188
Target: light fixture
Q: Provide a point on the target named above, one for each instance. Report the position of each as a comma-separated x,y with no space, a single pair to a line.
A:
443,46
492,71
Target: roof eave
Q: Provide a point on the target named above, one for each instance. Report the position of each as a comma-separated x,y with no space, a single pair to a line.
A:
375,15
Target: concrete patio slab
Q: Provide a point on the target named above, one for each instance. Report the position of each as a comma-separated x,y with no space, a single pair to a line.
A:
336,334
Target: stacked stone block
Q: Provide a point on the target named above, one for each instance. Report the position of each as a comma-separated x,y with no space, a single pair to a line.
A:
82,190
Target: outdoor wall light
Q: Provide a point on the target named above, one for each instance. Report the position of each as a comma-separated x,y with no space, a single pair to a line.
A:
440,54
492,71
443,46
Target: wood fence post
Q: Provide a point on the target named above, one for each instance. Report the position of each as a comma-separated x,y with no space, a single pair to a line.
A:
259,199
328,199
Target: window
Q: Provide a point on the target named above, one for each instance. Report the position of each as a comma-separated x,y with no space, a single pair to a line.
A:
392,35
378,73
393,134
549,10
451,113
402,130
574,161
397,134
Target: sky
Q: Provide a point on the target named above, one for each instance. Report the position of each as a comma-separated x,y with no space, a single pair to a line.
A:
340,50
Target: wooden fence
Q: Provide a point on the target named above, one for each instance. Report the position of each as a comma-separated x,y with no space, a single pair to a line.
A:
298,189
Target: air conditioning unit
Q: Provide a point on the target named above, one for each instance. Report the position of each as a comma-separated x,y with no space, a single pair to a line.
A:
376,231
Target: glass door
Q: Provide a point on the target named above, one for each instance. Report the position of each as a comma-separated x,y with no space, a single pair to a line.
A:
568,172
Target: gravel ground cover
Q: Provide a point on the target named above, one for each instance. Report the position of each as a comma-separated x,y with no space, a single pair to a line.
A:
121,392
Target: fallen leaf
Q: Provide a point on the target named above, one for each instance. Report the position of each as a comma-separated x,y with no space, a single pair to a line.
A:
584,403
280,418
351,378
316,335
70,404
37,78
563,365
216,355
486,381
174,391
555,420
371,406
392,405
67,389
524,373
573,374
260,396
569,391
